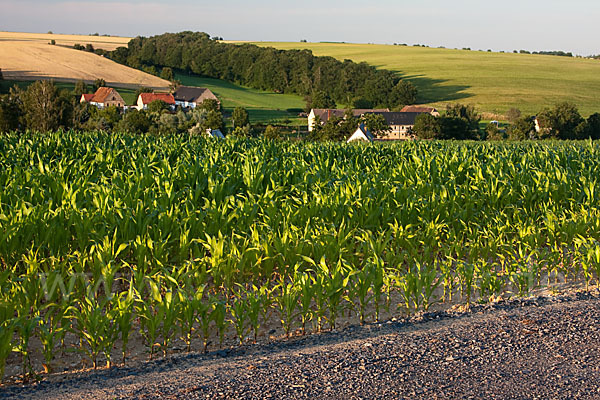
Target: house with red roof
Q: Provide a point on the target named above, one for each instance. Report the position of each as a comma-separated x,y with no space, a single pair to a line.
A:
103,97
144,99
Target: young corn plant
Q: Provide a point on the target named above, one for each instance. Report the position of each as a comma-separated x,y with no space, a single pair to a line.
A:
286,299
256,301
238,309
217,314
7,329
191,305
304,282
123,313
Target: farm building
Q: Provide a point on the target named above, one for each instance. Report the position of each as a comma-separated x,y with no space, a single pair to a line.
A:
325,114
362,133
144,99
190,97
421,109
103,97
401,124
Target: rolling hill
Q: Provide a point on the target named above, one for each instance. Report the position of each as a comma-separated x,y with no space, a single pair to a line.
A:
493,82
28,56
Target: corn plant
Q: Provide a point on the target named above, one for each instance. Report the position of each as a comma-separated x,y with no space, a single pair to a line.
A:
7,329
286,298
217,314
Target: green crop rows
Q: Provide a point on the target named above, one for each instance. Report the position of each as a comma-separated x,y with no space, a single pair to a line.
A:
184,239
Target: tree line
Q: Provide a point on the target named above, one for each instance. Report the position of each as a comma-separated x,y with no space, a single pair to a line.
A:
562,122
324,81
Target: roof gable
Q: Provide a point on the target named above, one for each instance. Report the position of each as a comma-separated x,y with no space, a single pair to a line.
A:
193,94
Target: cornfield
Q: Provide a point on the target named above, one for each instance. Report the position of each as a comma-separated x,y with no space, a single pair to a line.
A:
184,238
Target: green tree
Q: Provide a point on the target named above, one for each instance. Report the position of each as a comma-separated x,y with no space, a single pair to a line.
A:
272,132
10,113
213,120
455,128
522,129
240,117
210,105
492,132
42,106
404,93
167,74
157,106
561,122
468,115
593,126
320,99
427,127
135,122
376,124
242,131
79,89
98,83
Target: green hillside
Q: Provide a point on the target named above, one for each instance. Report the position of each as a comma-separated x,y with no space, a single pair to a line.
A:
493,82
263,107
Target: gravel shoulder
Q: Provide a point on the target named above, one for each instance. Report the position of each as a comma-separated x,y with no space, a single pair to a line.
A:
543,347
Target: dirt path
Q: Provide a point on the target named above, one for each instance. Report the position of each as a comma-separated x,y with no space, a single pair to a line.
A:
546,348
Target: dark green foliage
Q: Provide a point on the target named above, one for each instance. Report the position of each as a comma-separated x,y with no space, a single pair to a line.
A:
561,122
89,48
272,132
468,115
157,106
44,109
79,89
376,124
593,126
427,127
135,122
214,120
492,132
282,71
210,105
320,99
98,83
522,129
10,113
404,93
240,117
167,73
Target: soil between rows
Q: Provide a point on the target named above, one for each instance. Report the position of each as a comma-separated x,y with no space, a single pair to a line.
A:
543,347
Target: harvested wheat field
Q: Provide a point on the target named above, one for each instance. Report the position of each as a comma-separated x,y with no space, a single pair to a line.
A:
29,56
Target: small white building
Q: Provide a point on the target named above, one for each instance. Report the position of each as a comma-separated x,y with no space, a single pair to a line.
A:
362,133
191,97
215,133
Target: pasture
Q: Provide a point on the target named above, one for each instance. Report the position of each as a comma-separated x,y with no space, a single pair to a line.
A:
263,107
493,82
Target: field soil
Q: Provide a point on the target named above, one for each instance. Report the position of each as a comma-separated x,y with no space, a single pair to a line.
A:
541,347
27,56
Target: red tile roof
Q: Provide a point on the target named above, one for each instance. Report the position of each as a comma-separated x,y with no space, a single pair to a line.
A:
148,98
87,97
102,93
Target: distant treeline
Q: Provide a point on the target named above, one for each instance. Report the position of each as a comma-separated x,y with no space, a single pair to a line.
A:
283,71
548,53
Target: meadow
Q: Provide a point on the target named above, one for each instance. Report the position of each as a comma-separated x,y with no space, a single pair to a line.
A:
263,107
493,82
177,240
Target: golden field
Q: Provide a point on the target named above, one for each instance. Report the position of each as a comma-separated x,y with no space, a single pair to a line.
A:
29,56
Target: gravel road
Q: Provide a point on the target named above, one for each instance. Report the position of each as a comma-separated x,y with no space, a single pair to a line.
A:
540,348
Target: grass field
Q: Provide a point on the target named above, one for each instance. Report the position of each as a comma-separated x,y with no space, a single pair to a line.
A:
27,56
263,107
493,82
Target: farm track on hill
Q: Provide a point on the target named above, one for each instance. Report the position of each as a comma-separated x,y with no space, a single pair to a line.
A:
542,347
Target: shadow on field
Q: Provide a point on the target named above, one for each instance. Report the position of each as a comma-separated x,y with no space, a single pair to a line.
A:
435,90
